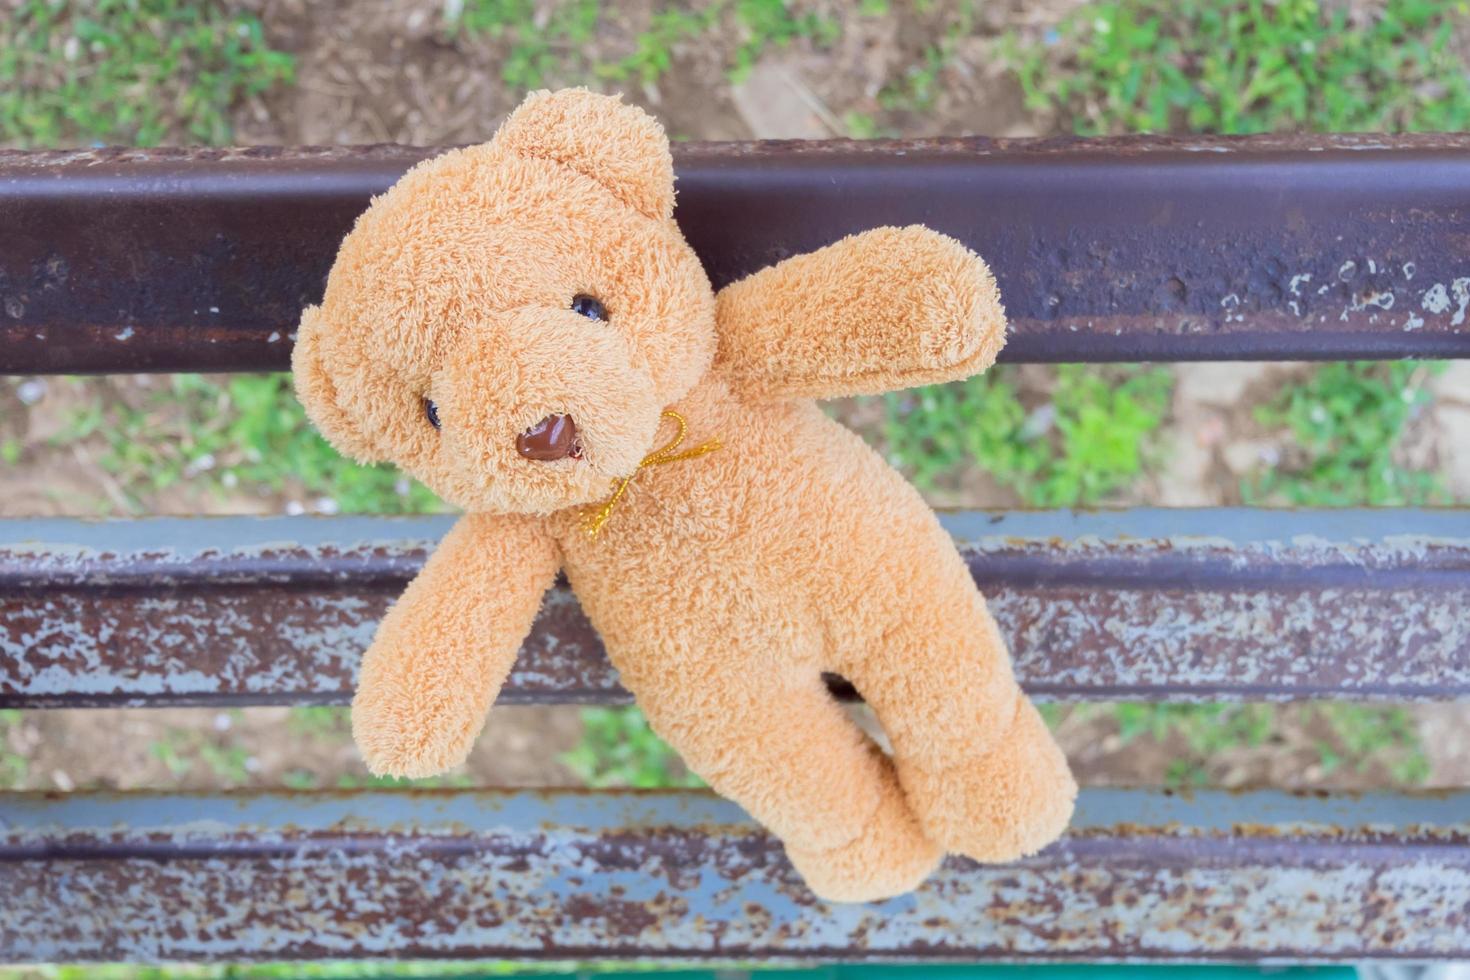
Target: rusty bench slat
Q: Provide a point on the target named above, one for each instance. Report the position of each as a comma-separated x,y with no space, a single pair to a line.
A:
1146,248
1142,875
1142,604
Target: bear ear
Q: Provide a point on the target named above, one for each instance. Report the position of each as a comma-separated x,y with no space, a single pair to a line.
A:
318,393
620,146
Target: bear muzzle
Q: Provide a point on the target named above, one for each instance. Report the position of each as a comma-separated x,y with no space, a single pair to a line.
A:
554,437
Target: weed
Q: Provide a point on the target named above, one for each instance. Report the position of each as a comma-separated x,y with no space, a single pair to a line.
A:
169,752
324,721
130,71
540,48
860,125
1204,728
1360,735
1105,420
1155,66
229,764
549,41
300,779
618,748
181,750
1090,443
246,432
771,23
933,431
1371,732
916,89
653,50
761,24
14,765
1347,420
918,86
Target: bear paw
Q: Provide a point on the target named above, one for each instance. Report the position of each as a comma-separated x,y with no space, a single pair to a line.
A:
1008,803
883,861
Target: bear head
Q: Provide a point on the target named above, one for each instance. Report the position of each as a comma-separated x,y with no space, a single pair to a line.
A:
509,320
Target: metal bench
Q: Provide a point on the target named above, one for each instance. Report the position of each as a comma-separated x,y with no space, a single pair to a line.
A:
1111,250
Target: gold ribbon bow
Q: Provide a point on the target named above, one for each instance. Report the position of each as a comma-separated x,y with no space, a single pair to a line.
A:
593,520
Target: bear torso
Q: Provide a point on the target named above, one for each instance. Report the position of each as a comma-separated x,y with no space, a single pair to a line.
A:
793,539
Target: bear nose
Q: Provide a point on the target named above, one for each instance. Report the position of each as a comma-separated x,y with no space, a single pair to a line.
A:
554,437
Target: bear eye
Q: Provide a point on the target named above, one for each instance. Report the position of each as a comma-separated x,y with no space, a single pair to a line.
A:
432,411
589,306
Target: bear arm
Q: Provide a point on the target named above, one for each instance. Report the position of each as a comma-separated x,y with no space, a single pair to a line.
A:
886,309
445,647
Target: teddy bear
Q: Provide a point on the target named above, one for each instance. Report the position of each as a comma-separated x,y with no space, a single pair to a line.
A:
521,326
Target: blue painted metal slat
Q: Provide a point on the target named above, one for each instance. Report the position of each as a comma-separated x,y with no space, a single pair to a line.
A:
1142,876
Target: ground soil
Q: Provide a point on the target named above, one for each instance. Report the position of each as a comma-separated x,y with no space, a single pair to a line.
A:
387,72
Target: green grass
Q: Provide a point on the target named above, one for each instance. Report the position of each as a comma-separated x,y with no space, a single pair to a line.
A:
1091,441
244,434
319,721
185,752
539,49
653,50
917,87
130,71
768,24
618,748
1157,66
1346,423
1375,732
548,43
1356,736
14,764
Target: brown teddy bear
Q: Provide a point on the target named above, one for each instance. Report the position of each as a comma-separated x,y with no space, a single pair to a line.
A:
522,326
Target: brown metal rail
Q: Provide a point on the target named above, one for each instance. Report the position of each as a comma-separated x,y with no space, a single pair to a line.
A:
1140,876
1175,605
1148,249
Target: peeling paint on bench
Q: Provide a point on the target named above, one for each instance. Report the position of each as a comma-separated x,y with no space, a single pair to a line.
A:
1143,875
1175,605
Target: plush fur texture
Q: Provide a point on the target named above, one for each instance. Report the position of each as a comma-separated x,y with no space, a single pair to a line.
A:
723,586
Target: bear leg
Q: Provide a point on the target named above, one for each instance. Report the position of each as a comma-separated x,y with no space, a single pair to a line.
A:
779,745
975,759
